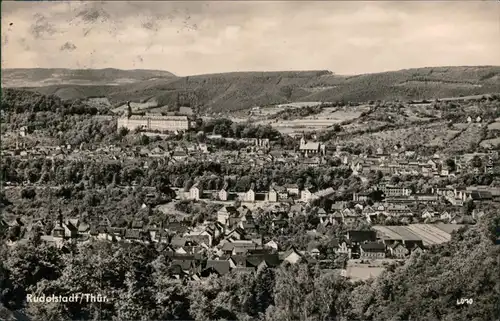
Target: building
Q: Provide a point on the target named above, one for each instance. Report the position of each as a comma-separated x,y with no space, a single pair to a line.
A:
292,189
195,192
277,193
311,147
389,190
372,250
153,122
225,213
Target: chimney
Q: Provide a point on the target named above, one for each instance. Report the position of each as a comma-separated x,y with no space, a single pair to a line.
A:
60,218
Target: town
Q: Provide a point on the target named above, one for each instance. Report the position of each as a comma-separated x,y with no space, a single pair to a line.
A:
356,211
250,161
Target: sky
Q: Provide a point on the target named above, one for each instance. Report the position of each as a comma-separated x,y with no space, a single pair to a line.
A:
195,37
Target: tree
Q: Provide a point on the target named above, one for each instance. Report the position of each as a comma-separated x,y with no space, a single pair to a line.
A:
145,139
477,162
450,162
28,193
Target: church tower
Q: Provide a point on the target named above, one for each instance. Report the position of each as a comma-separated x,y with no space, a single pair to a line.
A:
302,142
129,109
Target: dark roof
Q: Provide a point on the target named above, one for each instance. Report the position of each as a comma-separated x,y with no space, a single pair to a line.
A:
271,260
133,234
137,224
373,247
240,250
244,269
176,227
228,246
117,231
259,251
176,269
239,259
362,236
71,227
481,195
178,241
220,266
395,245
184,264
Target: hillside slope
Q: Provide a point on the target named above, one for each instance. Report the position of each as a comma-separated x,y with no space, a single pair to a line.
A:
38,77
217,93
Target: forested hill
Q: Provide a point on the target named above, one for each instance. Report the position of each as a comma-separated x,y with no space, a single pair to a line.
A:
242,90
136,280
36,77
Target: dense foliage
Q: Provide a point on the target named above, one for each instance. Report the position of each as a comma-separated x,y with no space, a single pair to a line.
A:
136,280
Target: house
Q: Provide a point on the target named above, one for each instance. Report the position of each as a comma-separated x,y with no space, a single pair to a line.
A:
225,194
272,245
360,197
295,209
315,252
398,250
277,193
131,235
345,247
445,216
372,250
58,231
179,155
218,267
428,214
201,236
292,189
70,230
292,256
324,193
250,195
188,265
195,192
227,215
349,216
307,194
278,223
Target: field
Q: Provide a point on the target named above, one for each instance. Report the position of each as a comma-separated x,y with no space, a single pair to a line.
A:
268,111
357,271
471,136
423,135
136,106
328,117
494,126
429,234
490,143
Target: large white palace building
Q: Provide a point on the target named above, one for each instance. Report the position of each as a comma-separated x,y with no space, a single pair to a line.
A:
153,122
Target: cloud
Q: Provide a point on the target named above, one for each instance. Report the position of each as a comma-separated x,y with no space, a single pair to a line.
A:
208,37
42,27
68,46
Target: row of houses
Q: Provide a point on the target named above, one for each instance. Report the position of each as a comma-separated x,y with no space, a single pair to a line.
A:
274,194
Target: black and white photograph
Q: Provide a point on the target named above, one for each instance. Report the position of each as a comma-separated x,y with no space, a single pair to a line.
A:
250,160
